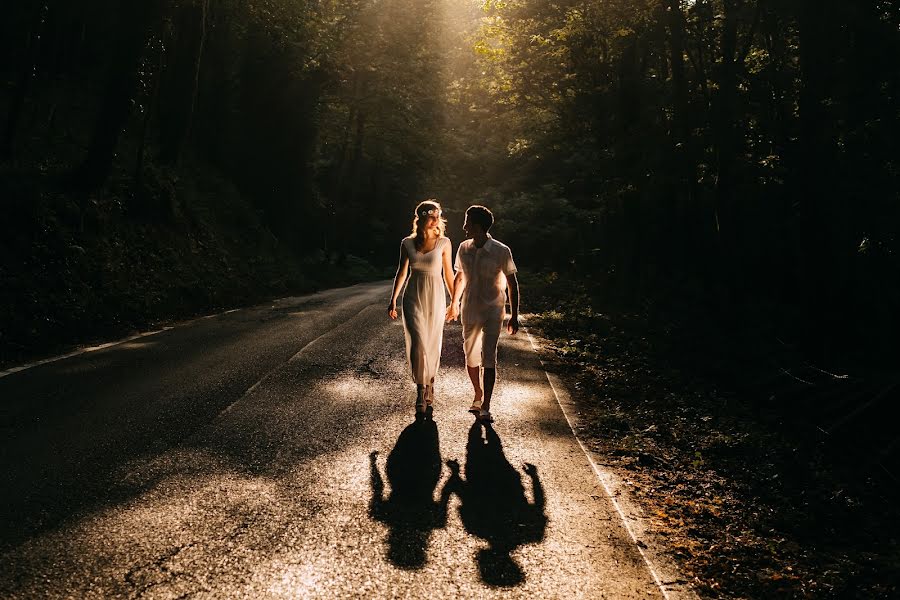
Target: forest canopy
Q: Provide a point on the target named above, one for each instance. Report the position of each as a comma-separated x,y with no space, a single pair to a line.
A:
724,150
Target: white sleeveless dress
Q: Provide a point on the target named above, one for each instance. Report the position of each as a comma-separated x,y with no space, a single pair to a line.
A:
424,308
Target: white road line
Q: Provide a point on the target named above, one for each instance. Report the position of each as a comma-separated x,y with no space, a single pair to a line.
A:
38,363
601,476
81,351
290,360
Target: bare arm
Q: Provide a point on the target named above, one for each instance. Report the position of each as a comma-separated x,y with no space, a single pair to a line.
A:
399,280
448,269
459,284
513,288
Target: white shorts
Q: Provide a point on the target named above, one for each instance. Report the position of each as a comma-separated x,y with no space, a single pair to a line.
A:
480,337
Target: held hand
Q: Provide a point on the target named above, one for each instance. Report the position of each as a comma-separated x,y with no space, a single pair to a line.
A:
513,326
392,312
452,313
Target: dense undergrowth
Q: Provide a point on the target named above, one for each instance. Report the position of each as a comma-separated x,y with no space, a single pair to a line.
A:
81,269
767,475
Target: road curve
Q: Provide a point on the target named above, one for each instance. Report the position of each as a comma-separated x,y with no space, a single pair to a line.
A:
271,453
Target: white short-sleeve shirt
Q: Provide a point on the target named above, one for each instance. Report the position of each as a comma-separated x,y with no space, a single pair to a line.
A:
485,270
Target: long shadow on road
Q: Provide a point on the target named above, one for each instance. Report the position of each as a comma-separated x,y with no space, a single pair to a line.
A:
494,507
413,470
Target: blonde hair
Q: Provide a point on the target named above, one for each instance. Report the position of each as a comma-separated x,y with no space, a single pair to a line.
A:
422,213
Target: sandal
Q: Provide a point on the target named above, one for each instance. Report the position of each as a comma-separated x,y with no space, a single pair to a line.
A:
429,401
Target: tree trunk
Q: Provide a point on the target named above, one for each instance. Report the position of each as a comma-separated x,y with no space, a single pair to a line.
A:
148,116
774,33
27,72
675,24
685,166
725,131
180,89
135,25
816,164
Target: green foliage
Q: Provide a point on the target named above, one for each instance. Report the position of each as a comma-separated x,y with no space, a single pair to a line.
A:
739,165
543,227
743,146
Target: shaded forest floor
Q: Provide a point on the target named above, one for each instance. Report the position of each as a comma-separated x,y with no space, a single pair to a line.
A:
767,475
76,271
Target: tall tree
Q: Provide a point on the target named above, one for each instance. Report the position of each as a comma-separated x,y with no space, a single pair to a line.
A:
133,26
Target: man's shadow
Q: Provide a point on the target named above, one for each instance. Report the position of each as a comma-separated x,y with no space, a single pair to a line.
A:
413,470
494,507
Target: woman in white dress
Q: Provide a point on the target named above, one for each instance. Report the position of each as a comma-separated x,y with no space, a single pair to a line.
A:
425,256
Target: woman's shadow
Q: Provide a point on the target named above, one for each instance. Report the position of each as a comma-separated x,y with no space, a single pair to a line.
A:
413,470
494,507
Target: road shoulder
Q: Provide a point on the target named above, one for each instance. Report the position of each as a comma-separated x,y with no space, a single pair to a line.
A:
652,547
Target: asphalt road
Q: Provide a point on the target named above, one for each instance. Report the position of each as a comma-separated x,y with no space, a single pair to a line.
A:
272,452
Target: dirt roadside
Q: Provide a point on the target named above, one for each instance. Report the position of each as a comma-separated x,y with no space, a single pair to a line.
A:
767,476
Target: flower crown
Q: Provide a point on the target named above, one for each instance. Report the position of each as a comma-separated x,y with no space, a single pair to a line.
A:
434,212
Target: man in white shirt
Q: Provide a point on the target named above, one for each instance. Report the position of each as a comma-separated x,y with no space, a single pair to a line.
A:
484,272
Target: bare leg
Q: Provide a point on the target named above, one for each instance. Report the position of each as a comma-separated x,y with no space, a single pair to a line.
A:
420,397
475,377
429,393
490,376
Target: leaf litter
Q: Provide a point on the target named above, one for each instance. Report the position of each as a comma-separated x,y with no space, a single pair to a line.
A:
749,498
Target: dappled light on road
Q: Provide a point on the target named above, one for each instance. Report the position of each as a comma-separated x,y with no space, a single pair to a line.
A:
315,481
302,580
136,345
